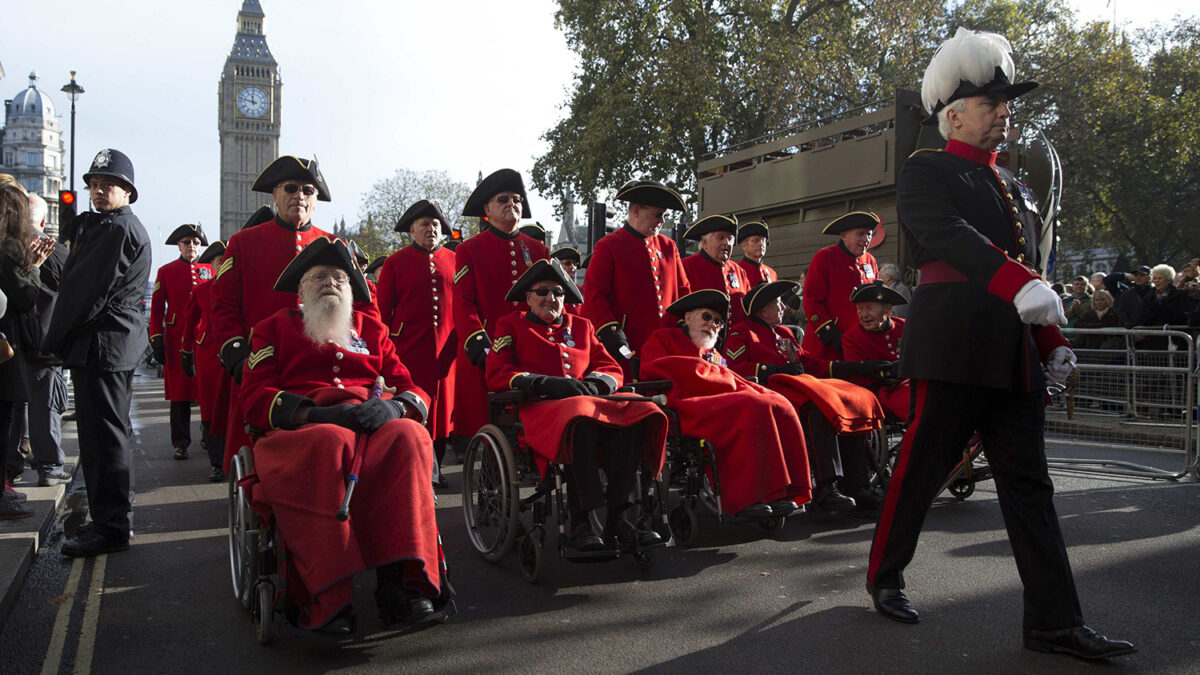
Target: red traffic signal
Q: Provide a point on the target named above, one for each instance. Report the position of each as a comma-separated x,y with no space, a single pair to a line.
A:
456,235
66,198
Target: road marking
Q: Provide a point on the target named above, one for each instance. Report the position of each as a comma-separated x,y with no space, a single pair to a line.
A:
91,618
58,637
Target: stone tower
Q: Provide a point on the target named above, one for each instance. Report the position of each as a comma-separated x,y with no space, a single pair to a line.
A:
31,147
248,118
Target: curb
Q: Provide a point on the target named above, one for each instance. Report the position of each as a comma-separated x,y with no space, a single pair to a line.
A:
20,539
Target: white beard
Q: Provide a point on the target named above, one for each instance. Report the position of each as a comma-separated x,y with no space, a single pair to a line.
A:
704,341
327,319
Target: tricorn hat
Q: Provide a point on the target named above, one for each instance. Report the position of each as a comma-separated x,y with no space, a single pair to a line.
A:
714,223
877,291
706,299
969,64
187,230
375,264
651,193
216,250
290,167
756,228
567,253
852,221
324,251
423,208
114,163
263,214
359,257
504,180
534,231
765,293
544,270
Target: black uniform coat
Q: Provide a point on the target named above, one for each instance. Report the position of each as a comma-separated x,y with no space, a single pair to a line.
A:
965,217
98,318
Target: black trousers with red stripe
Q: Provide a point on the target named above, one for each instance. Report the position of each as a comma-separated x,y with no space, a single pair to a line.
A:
944,415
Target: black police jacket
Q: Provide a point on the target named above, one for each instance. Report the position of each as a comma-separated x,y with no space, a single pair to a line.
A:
972,229
98,320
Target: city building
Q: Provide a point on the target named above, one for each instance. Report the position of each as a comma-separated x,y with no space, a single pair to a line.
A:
31,147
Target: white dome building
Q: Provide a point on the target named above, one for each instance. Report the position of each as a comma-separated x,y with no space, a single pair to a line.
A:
31,147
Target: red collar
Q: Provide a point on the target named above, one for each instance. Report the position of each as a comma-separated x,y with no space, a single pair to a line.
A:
966,151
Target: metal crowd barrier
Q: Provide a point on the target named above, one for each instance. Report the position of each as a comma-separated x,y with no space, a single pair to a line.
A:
1136,389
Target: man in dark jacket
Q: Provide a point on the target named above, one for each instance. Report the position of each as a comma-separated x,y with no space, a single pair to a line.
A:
99,332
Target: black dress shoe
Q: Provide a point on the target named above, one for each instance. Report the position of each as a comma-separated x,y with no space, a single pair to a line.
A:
783,507
1080,641
92,544
867,498
342,624
216,475
400,605
629,536
830,499
441,484
892,603
584,538
181,453
756,511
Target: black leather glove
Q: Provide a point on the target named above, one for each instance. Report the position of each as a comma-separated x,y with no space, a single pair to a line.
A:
613,339
187,361
374,413
796,368
160,352
892,372
233,356
341,415
563,387
847,369
830,335
476,349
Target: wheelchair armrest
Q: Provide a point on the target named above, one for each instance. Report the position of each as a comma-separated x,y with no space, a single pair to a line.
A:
647,386
512,396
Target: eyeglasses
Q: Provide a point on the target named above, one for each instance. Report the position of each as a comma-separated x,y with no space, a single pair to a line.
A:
713,318
543,292
306,190
338,278
504,199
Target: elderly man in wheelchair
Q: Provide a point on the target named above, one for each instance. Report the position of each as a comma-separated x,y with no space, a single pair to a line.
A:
330,399
569,414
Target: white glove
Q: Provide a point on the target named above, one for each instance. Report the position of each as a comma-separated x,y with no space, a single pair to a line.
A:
1037,305
1060,365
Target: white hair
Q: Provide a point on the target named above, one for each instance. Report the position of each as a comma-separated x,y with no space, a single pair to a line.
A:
890,270
37,210
944,127
1163,269
969,55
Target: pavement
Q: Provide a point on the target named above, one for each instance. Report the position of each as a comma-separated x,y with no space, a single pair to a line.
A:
739,601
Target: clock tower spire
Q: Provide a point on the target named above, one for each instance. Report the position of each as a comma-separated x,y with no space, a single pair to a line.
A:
248,117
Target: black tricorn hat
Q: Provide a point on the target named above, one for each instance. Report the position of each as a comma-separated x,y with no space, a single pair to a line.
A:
359,257
375,264
706,299
999,84
714,223
567,253
852,221
763,294
651,193
535,231
544,270
114,163
423,208
756,228
290,167
187,230
504,180
324,251
216,250
877,291
262,215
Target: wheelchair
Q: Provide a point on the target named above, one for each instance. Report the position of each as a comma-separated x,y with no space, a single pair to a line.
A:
259,564
960,483
507,501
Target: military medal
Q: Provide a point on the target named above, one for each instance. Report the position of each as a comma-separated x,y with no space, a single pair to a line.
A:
732,277
568,340
525,254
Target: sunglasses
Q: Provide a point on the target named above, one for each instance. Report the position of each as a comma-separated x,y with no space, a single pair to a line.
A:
306,190
543,292
713,318
504,199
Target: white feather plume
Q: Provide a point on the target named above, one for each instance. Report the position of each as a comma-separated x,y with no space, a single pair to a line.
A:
969,55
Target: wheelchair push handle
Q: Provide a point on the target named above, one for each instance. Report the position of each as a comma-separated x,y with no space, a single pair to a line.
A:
343,513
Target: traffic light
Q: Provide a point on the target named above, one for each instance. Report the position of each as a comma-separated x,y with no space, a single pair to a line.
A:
598,216
66,206
456,234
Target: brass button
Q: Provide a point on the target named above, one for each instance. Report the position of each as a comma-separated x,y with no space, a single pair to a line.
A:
1021,241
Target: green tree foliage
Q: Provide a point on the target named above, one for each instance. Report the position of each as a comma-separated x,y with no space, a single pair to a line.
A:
388,198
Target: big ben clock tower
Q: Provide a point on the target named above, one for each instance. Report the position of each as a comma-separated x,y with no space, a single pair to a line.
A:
248,117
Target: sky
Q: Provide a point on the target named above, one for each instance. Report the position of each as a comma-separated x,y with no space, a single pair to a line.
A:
369,87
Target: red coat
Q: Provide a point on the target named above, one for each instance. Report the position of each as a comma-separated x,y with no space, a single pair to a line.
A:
526,345
172,288
757,273
703,272
753,344
861,345
832,277
302,472
203,348
759,443
416,303
486,267
631,280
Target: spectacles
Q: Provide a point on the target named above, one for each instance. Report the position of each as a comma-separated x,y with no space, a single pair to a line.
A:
338,278
306,190
543,292
504,199
713,318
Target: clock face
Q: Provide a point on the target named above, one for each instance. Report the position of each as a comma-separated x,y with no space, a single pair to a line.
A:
253,102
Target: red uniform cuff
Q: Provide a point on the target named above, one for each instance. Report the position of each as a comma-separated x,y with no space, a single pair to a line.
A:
1009,279
1047,338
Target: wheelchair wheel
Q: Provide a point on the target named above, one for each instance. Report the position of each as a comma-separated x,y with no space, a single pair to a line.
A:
243,533
685,525
531,555
645,560
962,488
491,496
266,621
772,525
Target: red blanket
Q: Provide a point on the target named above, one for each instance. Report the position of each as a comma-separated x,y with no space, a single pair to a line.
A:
548,426
850,408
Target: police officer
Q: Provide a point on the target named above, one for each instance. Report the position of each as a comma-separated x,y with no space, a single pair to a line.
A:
98,330
981,326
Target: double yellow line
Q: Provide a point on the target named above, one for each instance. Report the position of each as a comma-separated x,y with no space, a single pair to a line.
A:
91,619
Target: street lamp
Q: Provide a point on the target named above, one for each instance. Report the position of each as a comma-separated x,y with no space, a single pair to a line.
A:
73,90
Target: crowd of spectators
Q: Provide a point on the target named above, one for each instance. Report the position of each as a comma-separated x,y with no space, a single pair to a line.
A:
1149,297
